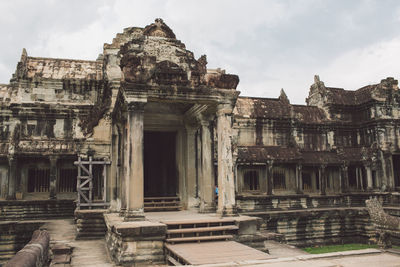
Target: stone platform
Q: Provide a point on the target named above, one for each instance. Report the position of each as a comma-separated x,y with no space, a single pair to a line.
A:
307,227
215,252
142,242
135,242
12,210
14,235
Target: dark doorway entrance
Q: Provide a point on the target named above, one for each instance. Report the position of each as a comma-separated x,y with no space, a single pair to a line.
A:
396,170
160,175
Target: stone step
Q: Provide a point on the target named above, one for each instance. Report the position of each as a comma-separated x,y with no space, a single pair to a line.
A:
163,208
199,238
160,198
162,203
200,222
59,260
203,229
59,249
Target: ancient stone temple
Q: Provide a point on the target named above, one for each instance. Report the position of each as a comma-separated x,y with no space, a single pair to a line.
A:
147,126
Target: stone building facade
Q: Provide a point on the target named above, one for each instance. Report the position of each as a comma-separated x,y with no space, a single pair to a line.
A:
171,127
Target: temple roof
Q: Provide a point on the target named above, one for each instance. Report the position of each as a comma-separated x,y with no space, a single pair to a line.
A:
320,157
339,96
260,154
252,107
55,68
277,108
264,153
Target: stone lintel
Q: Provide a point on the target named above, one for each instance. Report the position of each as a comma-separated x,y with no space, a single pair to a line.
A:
225,109
136,105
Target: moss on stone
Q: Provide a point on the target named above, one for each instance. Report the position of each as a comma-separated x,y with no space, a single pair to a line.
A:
336,248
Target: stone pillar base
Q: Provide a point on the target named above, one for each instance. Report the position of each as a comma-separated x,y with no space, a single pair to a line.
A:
11,197
134,215
228,212
207,208
122,212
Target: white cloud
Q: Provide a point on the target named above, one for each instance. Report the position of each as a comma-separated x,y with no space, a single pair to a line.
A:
269,44
360,67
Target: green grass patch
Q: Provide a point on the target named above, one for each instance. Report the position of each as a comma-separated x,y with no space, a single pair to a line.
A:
337,248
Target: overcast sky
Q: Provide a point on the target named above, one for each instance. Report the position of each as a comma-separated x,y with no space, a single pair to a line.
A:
269,44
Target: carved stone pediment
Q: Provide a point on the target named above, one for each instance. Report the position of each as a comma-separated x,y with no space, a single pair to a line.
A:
135,68
159,29
167,72
166,61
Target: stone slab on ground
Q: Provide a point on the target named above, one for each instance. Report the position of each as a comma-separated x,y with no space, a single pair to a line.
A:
278,250
368,257
87,253
216,252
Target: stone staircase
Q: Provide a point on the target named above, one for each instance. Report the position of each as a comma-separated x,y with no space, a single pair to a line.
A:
90,224
15,210
200,230
162,204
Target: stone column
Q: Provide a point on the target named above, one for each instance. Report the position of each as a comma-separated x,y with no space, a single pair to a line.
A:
345,177
299,179
12,177
357,178
53,176
191,166
369,177
340,180
135,174
268,171
207,174
112,181
322,179
226,184
124,190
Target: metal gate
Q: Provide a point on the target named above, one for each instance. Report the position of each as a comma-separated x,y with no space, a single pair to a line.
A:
84,185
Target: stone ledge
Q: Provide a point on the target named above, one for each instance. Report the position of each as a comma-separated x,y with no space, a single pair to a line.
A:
296,258
139,230
83,214
135,243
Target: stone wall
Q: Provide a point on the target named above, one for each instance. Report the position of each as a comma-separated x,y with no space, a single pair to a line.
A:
249,203
35,253
14,236
324,226
310,220
36,209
